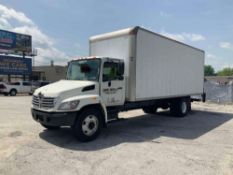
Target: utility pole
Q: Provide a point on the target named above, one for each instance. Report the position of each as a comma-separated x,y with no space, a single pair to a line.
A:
24,77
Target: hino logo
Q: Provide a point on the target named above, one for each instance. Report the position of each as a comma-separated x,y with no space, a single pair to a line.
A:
41,96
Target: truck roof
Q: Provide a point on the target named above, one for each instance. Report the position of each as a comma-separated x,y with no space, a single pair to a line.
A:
86,58
94,57
133,31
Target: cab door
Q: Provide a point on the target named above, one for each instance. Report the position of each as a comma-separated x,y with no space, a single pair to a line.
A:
113,83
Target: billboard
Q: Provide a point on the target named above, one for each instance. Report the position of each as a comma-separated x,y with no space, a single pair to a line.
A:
15,43
15,65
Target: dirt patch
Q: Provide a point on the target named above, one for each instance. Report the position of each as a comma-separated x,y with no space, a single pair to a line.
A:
15,134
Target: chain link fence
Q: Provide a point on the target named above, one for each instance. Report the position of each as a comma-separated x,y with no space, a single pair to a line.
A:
219,92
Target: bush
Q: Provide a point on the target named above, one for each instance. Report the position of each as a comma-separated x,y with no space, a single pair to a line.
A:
209,70
226,72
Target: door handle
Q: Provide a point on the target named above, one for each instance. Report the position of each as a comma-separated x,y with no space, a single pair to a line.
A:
120,88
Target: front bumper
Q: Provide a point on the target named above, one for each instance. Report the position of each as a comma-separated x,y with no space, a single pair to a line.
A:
54,118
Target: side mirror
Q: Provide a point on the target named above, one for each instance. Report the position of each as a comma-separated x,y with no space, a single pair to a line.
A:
105,78
121,77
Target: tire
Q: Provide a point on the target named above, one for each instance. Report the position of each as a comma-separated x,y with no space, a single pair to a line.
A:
150,109
50,127
88,125
180,107
13,92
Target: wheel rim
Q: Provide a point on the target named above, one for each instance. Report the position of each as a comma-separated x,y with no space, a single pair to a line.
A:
184,107
90,125
13,93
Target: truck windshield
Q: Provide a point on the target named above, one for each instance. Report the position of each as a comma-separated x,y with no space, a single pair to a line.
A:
84,70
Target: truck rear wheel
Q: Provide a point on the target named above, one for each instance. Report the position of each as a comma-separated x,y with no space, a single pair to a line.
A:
150,109
180,107
88,125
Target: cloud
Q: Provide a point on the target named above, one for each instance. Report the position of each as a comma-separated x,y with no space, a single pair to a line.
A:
193,37
44,44
39,38
213,60
164,14
226,45
210,56
9,13
4,23
217,62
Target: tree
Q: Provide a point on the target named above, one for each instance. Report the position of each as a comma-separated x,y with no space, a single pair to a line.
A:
209,70
225,72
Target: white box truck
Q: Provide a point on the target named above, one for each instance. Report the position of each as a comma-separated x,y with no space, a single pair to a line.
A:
128,69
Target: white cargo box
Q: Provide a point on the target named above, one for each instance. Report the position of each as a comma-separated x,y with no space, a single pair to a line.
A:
155,66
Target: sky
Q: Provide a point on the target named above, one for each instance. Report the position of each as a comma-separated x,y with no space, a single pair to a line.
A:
60,29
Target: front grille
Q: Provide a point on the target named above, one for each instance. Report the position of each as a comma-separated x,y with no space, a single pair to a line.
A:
45,102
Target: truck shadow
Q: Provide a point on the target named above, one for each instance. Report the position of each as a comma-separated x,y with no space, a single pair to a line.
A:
144,128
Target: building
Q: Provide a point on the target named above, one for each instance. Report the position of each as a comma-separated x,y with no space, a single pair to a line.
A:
50,73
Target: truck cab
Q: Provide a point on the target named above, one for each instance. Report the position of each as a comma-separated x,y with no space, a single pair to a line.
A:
92,85
107,73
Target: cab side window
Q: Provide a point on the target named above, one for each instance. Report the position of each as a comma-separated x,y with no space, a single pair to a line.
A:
112,71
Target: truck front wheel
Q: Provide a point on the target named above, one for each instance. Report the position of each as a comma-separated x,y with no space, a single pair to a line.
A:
88,125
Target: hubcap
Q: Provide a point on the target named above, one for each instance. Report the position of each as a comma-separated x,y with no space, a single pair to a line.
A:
184,107
90,125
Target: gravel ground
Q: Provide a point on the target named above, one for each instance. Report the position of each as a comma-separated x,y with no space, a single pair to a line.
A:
201,144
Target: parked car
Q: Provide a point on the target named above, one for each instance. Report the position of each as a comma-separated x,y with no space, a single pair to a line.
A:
38,84
16,87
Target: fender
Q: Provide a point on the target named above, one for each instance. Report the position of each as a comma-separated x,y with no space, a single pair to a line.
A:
86,100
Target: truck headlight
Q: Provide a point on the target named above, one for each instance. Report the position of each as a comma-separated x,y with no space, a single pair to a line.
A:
69,105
